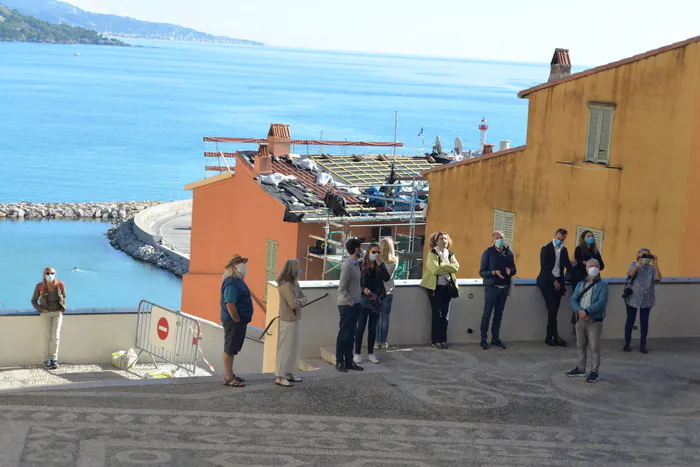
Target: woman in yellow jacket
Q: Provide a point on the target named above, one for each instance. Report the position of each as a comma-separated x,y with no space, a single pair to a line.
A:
440,281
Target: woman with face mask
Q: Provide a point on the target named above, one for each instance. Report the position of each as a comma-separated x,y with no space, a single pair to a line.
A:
291,301
373,276
49,299
587,249
388,258
642,276
439,279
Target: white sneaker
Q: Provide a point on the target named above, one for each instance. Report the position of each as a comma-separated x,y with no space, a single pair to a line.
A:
372,358
357,358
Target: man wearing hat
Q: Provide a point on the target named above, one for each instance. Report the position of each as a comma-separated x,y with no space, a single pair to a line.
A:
236,313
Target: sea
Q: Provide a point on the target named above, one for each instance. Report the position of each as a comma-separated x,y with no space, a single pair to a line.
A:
97,123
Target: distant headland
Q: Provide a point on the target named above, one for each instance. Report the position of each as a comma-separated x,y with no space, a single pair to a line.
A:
16,27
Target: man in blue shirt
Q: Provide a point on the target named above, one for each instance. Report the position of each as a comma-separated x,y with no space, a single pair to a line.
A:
236,313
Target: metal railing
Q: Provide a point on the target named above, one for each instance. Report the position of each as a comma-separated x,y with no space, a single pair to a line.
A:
269,325
168,335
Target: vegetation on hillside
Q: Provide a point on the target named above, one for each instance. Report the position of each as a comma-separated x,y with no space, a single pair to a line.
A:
15,27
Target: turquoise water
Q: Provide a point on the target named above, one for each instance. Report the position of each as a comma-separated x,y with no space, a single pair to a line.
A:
118,124
106,277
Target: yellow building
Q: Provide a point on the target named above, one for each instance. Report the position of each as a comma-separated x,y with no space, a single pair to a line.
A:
615,149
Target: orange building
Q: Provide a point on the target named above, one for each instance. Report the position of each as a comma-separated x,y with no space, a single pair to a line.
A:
271,208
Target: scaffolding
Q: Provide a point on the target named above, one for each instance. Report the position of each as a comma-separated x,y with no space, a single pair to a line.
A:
412,220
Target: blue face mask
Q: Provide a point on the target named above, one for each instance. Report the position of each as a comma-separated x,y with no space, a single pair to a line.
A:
299,273
558,242
590,240
499,243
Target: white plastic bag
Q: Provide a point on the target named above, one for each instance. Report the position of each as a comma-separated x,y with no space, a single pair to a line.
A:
124,359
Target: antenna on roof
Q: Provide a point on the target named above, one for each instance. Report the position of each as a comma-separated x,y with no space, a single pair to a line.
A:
396,130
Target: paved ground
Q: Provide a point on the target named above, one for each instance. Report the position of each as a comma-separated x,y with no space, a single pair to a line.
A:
176,231
421,407
30,377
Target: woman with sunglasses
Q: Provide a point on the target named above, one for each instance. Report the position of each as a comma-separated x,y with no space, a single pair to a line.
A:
374,275
642,277
49,299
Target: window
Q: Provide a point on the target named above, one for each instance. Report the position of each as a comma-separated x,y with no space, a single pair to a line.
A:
597,233
600,117
504,221
270,264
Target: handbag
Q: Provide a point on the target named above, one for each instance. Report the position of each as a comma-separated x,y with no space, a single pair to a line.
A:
374,304
627,293
451,286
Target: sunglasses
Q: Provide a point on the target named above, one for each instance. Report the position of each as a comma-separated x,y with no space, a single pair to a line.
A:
50,274
374,252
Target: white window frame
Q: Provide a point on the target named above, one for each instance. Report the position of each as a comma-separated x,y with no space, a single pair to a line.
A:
598,144
501,219
598,233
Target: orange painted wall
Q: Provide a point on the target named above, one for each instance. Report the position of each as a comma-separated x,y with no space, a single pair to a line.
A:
233,216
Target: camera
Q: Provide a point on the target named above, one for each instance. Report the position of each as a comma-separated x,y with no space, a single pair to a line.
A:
646,255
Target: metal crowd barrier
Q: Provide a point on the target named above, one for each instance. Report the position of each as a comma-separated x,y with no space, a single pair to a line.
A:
168,336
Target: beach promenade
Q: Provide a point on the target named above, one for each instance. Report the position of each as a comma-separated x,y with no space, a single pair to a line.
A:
419,407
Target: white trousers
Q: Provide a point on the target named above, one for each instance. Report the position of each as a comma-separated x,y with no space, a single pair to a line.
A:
52,333
287,348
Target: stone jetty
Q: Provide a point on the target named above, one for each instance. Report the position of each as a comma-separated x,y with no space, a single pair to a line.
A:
122,237
102,211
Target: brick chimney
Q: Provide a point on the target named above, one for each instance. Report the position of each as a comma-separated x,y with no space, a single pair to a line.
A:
279,139
263,161
488,149
561,65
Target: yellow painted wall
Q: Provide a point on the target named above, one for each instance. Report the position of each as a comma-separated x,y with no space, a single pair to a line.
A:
643,204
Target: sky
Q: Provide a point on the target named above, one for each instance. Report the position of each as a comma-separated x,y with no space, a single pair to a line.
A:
596,31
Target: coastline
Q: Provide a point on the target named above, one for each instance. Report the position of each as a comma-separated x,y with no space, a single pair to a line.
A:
121,235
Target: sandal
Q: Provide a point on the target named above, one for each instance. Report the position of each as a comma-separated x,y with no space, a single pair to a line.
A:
282,382
233,383
238,378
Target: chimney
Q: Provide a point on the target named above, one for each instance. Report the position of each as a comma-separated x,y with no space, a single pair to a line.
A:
561,65
263,161
505,145
488,149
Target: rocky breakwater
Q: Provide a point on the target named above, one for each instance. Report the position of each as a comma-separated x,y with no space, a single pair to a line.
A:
122,237
70,211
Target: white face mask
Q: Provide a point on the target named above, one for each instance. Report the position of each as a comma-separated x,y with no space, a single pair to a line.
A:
242,269
50,277
644,261
593,271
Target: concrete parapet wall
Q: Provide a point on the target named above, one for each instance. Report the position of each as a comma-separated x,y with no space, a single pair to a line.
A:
144,225
525,317
90,336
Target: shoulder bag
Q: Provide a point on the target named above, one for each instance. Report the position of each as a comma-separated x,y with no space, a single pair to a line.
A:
627,293
451,286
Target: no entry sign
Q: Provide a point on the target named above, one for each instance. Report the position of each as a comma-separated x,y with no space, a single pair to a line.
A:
163,325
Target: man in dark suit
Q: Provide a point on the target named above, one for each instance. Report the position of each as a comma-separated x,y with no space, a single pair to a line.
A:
554,260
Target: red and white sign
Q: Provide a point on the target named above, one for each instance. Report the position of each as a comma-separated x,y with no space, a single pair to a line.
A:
163,325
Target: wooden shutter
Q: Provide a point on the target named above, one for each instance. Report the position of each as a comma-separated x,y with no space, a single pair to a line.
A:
600,119
598,234
603,155
270,264
504,221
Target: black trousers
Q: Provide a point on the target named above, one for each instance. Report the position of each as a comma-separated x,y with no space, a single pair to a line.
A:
494,303
366,315
346,333
440,306
552,300
643,322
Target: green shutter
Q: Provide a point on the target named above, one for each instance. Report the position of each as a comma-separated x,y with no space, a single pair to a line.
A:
598,234
603,155
270,264
595,115
600,119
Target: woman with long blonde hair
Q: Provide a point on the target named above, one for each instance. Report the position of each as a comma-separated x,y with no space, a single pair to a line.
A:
387,254
291,301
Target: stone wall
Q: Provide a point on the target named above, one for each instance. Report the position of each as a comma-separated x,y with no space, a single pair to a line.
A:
103,211
122,237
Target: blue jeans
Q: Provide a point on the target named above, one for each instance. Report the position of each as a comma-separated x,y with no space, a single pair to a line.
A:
346,333
495,302
383,324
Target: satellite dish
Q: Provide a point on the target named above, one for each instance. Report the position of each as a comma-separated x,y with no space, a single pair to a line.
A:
458,146
438,145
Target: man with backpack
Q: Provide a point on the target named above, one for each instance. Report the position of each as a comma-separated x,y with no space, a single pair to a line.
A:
588,302
497,269
49,299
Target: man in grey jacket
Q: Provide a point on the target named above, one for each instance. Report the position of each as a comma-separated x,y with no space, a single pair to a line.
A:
349,296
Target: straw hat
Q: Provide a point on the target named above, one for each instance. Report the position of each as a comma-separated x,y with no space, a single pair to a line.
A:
235,259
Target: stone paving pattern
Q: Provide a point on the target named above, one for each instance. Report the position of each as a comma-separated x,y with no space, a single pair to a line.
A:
419,407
